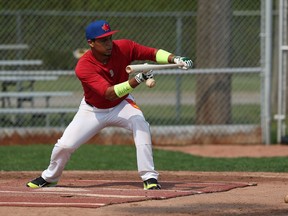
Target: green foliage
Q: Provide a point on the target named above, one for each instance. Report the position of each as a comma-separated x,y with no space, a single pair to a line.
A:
246,5
54,28
98,5
97,157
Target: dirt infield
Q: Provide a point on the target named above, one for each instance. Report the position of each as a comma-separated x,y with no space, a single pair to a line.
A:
92,192
267,198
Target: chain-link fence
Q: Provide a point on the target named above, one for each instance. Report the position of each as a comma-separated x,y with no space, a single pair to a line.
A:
219,101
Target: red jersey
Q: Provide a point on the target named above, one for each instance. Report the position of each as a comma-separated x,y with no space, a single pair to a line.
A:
96,77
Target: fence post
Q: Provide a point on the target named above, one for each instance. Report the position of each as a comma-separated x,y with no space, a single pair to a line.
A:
282,49
266,73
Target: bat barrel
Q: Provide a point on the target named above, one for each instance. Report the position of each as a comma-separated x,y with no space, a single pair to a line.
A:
147,67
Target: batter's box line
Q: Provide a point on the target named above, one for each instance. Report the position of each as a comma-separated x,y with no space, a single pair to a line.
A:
51,204
60,187
75,194
169,182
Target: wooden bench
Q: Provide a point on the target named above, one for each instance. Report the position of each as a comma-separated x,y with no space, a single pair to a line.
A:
24,96
13,46
27,78
40,111
37,72
20,62
43,113
18,81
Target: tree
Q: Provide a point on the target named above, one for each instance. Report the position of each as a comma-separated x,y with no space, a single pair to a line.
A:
213,91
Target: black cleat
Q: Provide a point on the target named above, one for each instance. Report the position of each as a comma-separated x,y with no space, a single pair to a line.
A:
151,184
39,183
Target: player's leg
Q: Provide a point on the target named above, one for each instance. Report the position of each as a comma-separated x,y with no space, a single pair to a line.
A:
83,126
129,116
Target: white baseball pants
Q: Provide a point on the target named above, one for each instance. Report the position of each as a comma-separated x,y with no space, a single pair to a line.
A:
88,121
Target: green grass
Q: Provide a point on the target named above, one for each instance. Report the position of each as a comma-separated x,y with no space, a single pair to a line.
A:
165,84
115,157
241,114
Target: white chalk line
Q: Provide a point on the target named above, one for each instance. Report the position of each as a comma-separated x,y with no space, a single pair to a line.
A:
52,204
74,194
59,190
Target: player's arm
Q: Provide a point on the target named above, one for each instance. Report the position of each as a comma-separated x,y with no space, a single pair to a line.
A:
164,57
121,89
141,52
124,88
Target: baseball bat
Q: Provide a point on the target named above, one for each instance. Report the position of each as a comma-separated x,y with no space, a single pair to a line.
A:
148,67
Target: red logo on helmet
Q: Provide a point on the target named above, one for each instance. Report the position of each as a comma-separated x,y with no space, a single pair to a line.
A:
106,27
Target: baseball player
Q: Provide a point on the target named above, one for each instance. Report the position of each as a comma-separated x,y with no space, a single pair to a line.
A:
107,101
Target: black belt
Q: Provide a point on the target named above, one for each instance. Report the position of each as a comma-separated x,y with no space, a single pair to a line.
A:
89,104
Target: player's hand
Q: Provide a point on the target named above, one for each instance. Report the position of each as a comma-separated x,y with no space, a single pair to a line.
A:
185,61
141,77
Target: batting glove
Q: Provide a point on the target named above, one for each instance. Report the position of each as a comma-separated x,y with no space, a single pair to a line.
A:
141,77
185,61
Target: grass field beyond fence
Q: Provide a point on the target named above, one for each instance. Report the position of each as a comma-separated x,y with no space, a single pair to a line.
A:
97,157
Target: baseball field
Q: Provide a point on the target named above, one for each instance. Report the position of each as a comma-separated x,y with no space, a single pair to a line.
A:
113,192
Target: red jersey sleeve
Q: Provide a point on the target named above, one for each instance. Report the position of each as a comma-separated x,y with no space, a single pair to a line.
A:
140,52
